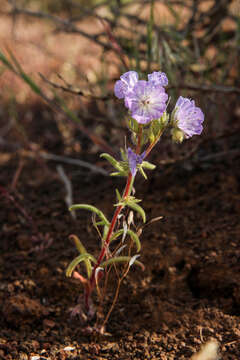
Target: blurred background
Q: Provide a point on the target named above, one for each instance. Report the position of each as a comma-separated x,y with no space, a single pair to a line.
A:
60,59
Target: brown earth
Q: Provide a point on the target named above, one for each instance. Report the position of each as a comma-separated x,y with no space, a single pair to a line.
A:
189,292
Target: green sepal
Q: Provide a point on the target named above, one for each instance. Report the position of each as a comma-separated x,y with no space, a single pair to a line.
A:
133,125
77,260
155,128
112,161
164,119
93,209
128,199
120,259
131,233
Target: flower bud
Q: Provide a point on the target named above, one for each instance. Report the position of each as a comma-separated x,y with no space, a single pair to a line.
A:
164,119
177,135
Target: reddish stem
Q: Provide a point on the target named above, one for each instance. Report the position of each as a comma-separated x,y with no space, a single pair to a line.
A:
90,286
92,281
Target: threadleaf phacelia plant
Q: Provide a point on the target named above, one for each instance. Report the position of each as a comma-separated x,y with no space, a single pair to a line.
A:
120,244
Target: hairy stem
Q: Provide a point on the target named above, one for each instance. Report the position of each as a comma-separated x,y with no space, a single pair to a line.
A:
151,146
127,192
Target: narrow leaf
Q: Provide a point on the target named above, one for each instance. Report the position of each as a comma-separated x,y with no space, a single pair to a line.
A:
120,259
90,208
138,209
148,165
76,261
82,251
112,161
133,259
150,35
5,61
143,173
31,83
123,155
105,232
24,76
120,173
118,195
132,234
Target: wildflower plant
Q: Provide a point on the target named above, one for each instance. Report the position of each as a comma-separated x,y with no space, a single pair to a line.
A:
147,103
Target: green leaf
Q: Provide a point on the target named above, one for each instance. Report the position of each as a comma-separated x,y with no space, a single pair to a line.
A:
5,61
118,195
65,108
132,234
77,260
31,83
119,173
24,76
105,232
91,208
150,25
123,155
99,223
137,208
148,165
112,161
82,251
143,173
120,259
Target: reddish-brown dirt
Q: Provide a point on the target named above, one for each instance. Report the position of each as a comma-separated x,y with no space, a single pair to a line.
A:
189,291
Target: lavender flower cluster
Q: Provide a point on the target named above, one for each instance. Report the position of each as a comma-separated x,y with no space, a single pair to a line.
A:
147,101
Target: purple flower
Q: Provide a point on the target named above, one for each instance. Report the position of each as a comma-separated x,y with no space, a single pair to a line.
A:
134,160
158,78
146,101
188,117
126,84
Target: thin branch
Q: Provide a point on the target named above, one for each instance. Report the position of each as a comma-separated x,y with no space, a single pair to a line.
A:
68,187
72,91
206,88
72,161
65,25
